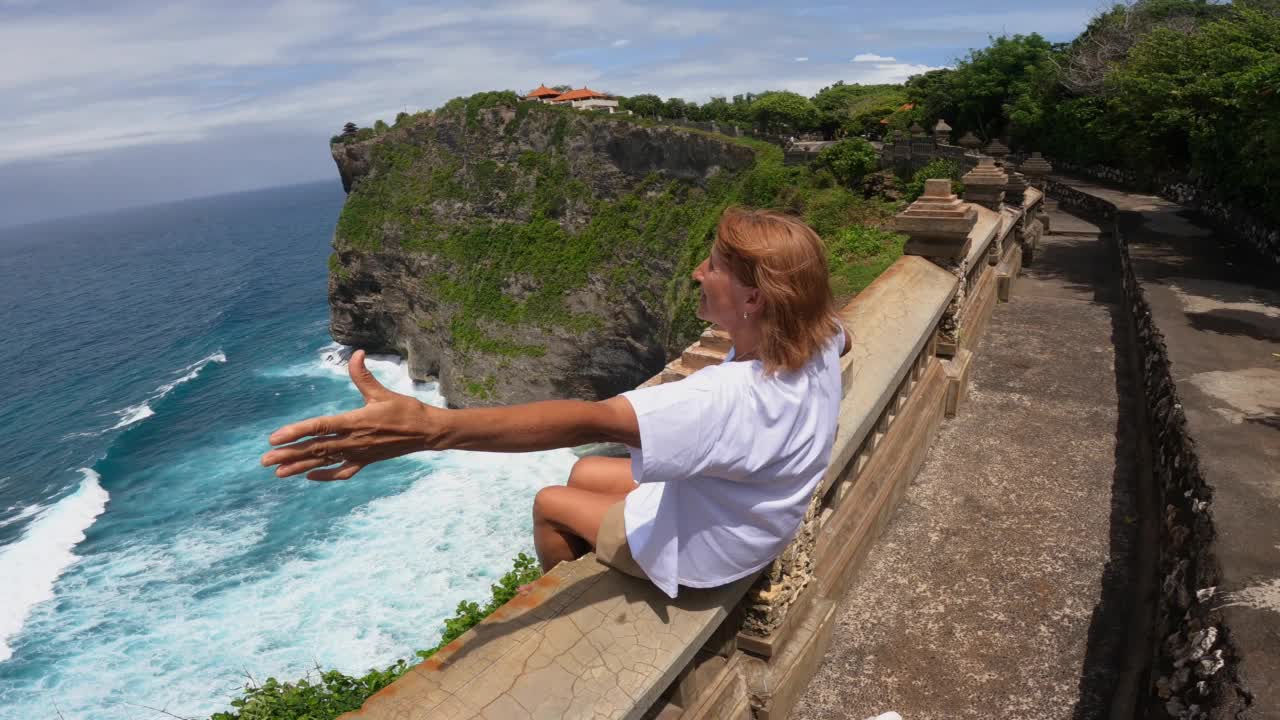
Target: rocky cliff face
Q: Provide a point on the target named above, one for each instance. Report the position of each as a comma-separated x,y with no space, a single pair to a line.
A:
524,252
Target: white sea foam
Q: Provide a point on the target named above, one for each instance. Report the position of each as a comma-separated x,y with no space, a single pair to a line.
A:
26,512
32,564
192,372
142,411
373,589
133,414
390,370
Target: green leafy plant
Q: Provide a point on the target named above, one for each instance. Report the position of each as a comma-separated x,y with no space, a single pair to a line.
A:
936,169
849,160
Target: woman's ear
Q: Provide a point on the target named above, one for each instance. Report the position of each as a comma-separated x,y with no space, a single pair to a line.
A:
754,300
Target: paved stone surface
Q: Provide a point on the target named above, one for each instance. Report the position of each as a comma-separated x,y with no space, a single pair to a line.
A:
981,596
1218,306
583,643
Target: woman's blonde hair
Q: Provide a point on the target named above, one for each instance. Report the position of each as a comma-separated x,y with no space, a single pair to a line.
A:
785,259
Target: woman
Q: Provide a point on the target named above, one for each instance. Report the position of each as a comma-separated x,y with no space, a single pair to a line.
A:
723,463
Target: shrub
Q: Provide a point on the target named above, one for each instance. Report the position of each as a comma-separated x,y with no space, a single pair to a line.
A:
849,160
858,254
380,127
937,168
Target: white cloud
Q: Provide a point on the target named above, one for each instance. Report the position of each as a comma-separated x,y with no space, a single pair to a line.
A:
190,71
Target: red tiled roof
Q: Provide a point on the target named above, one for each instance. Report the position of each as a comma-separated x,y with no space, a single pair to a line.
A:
907,106
582,94
542,91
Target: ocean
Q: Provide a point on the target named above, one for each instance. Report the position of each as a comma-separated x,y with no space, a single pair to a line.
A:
147,560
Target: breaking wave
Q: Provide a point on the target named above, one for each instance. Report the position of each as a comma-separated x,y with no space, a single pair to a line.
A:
31,565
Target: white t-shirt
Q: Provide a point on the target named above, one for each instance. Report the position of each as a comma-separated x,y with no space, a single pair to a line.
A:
728,464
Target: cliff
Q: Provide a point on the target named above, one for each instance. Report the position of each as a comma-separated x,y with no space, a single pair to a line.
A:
519,252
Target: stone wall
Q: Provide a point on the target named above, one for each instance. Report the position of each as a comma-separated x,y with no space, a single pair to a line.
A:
1192,658
909,155
1245,225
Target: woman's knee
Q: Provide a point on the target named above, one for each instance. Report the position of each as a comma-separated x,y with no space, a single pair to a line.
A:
611,476
582,472
548,502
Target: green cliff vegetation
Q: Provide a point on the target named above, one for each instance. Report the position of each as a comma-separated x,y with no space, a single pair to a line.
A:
533,219
837,110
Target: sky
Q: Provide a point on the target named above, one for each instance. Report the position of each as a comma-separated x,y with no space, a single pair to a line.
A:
110,104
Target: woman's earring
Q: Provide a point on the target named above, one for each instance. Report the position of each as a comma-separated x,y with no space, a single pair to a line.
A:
744,315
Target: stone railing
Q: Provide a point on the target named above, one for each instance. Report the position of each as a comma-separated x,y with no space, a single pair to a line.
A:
591,642
907,155
1192,658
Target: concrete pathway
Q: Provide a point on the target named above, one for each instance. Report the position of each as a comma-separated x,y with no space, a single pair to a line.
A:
1003,574
1218,306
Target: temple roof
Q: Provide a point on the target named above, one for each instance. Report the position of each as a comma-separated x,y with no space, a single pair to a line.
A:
581,94
542,91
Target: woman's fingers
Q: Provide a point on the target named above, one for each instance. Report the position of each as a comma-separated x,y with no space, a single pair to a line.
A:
301,466
325,425
345,472
328,446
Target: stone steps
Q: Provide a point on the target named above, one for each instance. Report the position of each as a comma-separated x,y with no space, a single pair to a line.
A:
713,338
696,357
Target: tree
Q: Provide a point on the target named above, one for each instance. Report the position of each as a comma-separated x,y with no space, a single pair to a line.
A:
991,90
645,105
1207,101
849,160
379,127
782,111
1106,41
845,110
717,109
675,108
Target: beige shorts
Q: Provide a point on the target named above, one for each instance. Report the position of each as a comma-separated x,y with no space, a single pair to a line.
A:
611,543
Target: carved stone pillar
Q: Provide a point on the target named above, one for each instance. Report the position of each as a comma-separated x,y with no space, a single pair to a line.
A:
997,150
1015,189
1028,233
937,227
776,591
1037,169
969,142
942,132
984,184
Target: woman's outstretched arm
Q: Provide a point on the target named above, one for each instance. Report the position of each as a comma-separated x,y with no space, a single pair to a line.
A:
391,425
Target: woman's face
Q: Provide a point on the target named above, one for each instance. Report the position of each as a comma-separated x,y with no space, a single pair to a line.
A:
724,298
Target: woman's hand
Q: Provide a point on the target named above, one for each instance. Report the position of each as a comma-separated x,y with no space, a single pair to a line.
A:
388,426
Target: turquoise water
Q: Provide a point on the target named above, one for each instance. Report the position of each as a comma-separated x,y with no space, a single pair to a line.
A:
146,559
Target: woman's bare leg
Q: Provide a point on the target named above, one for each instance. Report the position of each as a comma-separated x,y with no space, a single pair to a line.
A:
610,476
566,521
